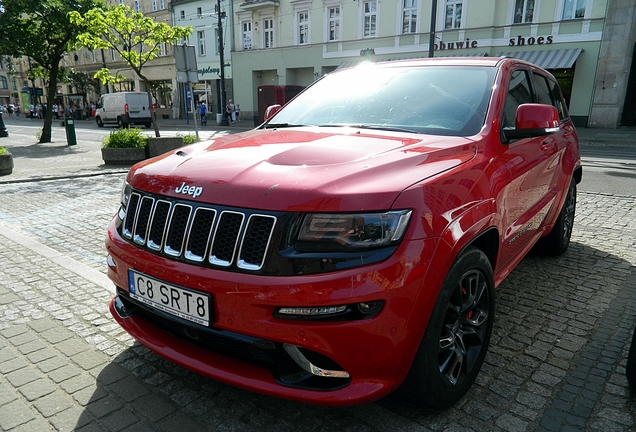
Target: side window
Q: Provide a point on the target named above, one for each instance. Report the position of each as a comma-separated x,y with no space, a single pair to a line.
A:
541,90
518,93
559,100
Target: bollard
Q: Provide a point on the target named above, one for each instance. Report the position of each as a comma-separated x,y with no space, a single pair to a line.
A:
3,128
69,125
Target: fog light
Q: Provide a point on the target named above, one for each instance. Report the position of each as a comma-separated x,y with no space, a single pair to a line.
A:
312,311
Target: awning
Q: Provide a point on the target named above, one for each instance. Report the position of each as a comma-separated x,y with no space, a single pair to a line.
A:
550,59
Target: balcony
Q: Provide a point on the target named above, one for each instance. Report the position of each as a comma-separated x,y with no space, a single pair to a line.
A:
253,5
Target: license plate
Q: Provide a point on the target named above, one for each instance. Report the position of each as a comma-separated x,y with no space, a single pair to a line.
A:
183,303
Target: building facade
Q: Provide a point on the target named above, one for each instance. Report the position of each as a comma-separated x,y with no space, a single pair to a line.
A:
295,42
203,17
161,71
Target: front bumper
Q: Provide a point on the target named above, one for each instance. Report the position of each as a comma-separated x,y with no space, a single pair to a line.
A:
248,347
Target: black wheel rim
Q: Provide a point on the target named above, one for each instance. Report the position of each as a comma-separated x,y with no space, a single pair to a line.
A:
568,216
464,331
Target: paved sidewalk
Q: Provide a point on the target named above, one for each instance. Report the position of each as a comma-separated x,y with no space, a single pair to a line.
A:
34,161
556,361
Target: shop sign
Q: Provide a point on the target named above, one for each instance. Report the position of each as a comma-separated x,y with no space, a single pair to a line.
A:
520,40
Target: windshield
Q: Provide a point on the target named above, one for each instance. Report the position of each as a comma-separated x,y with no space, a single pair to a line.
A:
441,100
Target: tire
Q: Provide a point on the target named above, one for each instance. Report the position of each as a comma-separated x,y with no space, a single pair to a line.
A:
456,339
557,242
121,123
630,369
148,125
99,121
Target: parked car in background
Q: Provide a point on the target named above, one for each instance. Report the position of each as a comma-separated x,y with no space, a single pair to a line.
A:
350,246
124,109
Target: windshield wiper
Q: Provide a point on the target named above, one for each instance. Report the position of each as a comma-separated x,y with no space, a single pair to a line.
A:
280,125
374,127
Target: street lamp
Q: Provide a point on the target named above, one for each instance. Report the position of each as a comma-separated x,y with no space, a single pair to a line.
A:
221,15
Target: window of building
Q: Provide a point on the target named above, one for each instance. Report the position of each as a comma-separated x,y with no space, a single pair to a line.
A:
4,84
201,42
154,5
198,12
217,38
182,15
409,16
14,83
247,34
268,33
453,14
370,19
112,54
573,9
163,51
136,6
334,23
524,11
121,2
302,19
162,5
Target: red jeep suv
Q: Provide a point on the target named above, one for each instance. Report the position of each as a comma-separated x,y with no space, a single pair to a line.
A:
351,244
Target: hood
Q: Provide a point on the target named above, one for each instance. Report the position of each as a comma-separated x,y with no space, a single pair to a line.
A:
302,169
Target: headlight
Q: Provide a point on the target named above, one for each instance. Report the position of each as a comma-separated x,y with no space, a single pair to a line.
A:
349,232
126,190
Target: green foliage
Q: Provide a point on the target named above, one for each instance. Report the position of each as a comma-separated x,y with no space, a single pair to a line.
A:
3,150
38,134
135,37
188,138
42,31
125,138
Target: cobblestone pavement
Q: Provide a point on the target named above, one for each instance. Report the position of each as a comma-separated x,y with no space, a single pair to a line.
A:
556,362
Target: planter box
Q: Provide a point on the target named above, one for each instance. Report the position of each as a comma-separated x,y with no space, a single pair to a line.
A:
6,164
123,156
161,145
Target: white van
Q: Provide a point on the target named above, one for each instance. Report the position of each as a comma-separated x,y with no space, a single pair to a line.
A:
123,109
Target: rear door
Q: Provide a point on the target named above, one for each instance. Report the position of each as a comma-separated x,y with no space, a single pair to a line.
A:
138,105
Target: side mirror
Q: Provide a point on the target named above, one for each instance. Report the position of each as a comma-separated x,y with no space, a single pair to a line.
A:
534,120
271,110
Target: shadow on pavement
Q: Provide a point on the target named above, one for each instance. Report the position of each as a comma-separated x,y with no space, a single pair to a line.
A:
562,329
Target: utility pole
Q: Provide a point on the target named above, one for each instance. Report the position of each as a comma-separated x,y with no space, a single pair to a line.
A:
431,38
221,15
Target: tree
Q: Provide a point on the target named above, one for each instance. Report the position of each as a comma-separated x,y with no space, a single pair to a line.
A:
136,38
42,31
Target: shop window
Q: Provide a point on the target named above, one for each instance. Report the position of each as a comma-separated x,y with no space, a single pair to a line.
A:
333,14
573,9
409,16
524,11
370,18
453,17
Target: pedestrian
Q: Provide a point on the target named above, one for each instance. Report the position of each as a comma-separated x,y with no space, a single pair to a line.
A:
231,111
202,114
237,112
10,110
32,111
17,110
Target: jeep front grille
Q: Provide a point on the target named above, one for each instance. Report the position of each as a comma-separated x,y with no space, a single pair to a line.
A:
198,233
